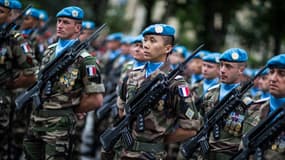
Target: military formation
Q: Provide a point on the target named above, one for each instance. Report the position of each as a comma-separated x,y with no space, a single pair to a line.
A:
70,95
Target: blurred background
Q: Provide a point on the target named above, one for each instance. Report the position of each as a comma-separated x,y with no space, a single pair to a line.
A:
255,25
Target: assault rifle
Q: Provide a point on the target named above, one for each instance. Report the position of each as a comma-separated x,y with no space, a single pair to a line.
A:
48,74
216,115
4,32
145,98
261,136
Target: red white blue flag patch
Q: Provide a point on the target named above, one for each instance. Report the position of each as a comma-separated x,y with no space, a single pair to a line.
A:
26,47
91,70
183,90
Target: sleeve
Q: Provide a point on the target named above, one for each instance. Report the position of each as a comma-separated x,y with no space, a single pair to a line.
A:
188,115
91,75
24,54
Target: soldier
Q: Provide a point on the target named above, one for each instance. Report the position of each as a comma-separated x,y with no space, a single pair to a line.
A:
178,55
224,141
174,118
16,72
263,86
76,91
263,107
210,72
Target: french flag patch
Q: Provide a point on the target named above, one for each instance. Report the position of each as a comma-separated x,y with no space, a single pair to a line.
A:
26,47
183,90
91,70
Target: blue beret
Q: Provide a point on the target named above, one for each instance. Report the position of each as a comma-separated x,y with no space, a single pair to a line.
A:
265,72
137,39
43,15
15,4
159,29
182,50
115,37
88,25
6,3
126,40
201,54
234,55
71,12
277,62
212,58
33,12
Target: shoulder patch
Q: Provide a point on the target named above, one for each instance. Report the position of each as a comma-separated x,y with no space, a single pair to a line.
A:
213,87
183,90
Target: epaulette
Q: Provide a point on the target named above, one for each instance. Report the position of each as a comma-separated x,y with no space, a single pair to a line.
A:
52,45
263,100
213,87
179,77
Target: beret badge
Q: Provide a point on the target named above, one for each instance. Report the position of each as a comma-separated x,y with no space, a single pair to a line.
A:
235,56
74,13
158,29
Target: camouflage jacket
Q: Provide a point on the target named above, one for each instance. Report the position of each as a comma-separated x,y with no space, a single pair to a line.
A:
16,55
172,111
258,111
231,129
82,76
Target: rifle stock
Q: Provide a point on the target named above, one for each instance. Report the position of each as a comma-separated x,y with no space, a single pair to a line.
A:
215,115
54,68
145,98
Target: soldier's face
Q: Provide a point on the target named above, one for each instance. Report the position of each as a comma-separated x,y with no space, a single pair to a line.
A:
195,65
137,51
85,34
210,70
4,14
154,48
277,82
29,22
230,72
67,28
175,58
263,83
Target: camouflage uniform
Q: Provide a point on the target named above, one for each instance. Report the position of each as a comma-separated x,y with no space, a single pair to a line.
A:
15,56
230,131
160,120
259,110
52,126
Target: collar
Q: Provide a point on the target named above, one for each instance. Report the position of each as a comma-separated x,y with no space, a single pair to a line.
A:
151,67
276,103
138,63
62,44
196,78
226,88
207,83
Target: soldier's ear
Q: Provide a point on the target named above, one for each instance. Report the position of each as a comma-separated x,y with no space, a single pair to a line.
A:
168,48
